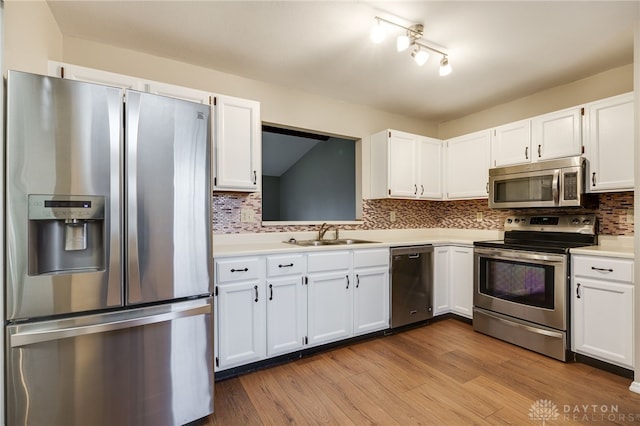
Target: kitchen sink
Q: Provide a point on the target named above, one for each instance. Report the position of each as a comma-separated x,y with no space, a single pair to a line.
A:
339,242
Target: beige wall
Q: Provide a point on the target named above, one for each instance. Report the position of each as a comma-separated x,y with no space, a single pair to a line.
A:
31,36
609,83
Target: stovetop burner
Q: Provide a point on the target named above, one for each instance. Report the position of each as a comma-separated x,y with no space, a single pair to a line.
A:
549,234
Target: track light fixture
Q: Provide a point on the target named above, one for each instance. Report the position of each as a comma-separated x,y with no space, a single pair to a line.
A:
411,37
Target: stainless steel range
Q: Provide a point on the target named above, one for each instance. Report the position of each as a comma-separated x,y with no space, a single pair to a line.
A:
521,283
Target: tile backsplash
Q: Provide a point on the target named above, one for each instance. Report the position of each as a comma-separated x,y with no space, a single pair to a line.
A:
615,214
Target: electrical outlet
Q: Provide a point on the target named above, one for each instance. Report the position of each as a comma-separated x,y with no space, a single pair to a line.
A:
392,216
247,215
478,216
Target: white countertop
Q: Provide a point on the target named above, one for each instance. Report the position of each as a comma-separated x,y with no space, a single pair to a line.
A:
609,245
226,245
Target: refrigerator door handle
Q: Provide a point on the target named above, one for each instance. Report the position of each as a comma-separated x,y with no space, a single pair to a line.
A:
132,114
32,337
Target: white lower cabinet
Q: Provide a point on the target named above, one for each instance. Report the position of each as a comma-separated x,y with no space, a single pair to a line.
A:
272,305
371,293
286,295
330,296
453,280
240,307
602,308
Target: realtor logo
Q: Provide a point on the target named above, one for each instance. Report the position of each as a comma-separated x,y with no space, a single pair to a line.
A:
544,410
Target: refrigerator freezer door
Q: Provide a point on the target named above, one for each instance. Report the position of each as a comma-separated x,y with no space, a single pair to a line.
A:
63,168
145,366
168,198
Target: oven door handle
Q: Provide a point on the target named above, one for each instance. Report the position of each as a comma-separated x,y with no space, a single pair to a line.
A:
522,256
555,187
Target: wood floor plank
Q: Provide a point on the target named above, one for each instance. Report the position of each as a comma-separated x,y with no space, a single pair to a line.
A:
443,373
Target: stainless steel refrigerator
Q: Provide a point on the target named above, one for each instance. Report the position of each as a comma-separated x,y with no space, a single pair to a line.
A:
109,317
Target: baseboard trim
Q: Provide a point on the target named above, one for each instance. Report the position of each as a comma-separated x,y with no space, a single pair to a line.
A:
635,387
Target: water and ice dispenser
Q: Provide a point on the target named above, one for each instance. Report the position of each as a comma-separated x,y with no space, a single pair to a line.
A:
66,234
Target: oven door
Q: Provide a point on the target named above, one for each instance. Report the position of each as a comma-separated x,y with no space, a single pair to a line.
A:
531,286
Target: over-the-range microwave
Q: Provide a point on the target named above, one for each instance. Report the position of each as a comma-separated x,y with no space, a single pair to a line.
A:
552,183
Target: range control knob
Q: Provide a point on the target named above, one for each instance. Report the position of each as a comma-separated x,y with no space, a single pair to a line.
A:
575,221
509,220
587,221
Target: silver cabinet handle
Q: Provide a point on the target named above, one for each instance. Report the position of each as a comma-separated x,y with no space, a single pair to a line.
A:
357,280
270,291
539,151
288,265
422,192
255,178
32,337
255,287
347,282
487,187
593,179
526,152
578,290
415,192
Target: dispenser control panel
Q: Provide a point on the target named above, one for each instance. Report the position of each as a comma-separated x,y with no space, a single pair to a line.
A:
60,207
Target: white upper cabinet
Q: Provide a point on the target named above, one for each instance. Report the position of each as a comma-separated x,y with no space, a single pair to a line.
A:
404,165
179,92
237,145
467,166
511,144
608,141
90,75
557,134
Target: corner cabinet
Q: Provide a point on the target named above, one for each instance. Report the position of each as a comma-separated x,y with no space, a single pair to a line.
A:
453,280
404,165
602,308
609,143
467,166
237,164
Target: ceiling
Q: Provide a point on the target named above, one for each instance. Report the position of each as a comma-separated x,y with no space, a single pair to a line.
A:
499,51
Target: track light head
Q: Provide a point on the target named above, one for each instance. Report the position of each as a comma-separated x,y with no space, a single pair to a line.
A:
378,33
445,68
419,55
403,42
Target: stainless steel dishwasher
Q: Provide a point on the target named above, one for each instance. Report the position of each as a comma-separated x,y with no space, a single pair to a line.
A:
411,284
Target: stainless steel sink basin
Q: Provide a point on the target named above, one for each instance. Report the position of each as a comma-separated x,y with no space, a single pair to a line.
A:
344,241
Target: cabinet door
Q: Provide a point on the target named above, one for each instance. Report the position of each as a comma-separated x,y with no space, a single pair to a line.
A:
330,306
237,144
241,323
178,92
429,168
371,300
511,144
90,75
461,281
467,166
441,280
402,159
603,320
286,314
557,134
609,136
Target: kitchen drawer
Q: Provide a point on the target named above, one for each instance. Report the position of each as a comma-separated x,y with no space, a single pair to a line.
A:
237,269
604,268
369,258
290,264
328,261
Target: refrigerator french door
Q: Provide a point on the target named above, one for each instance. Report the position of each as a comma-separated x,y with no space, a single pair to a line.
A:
108,279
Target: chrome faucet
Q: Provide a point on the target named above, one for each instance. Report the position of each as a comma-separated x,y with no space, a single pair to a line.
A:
323,230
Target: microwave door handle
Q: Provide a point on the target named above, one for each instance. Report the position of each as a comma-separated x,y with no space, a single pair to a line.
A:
555,187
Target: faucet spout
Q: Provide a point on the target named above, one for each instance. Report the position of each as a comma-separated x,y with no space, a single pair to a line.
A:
323,230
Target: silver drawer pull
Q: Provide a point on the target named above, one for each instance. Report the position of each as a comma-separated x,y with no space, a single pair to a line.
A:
602,269
288,265
239,270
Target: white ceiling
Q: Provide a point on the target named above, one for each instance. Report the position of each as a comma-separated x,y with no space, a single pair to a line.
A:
499,51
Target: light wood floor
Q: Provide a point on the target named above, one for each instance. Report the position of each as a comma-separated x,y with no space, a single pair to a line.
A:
443,373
